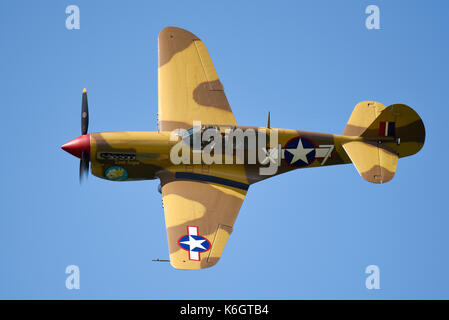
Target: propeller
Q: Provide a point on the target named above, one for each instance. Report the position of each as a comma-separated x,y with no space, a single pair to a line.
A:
80,147
84,159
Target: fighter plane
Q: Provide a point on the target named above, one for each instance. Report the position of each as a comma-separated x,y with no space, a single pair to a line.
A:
202,200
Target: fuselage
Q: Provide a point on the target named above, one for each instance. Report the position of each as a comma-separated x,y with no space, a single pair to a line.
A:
144,155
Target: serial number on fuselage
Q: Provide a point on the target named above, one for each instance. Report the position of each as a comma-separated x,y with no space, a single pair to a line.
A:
117,156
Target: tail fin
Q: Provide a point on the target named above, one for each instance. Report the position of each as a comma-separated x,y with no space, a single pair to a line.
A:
387,134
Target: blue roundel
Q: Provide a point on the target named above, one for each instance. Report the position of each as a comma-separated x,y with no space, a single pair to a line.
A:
299,152
194,243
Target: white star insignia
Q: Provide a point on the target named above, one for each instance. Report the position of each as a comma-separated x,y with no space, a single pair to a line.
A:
300,153
192,243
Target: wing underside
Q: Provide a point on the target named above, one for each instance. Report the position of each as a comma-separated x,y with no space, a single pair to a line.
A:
188,85
199,217
200,210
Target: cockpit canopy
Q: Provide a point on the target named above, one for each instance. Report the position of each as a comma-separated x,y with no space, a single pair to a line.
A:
189,135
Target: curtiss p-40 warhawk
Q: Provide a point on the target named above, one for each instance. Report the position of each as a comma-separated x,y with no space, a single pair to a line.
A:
201,199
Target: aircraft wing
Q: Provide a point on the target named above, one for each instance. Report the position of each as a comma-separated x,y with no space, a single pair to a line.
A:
200,212
189,87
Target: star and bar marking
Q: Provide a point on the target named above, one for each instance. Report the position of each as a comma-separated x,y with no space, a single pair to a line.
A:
299,152
194,243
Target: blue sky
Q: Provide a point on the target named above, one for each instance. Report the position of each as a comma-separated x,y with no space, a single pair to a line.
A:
303,235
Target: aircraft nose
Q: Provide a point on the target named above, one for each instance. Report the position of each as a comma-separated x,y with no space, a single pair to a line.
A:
78,145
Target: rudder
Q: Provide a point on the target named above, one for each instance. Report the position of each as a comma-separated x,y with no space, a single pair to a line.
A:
398,127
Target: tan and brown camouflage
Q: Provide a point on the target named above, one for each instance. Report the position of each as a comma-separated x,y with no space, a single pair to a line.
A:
207,198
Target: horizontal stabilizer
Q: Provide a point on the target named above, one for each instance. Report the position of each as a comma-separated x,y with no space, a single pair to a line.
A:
375,162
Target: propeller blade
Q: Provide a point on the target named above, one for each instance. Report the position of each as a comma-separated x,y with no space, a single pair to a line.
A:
268,124
84,166
84,114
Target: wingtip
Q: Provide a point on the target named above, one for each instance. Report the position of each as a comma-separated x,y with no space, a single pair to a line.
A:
178,32
172,40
